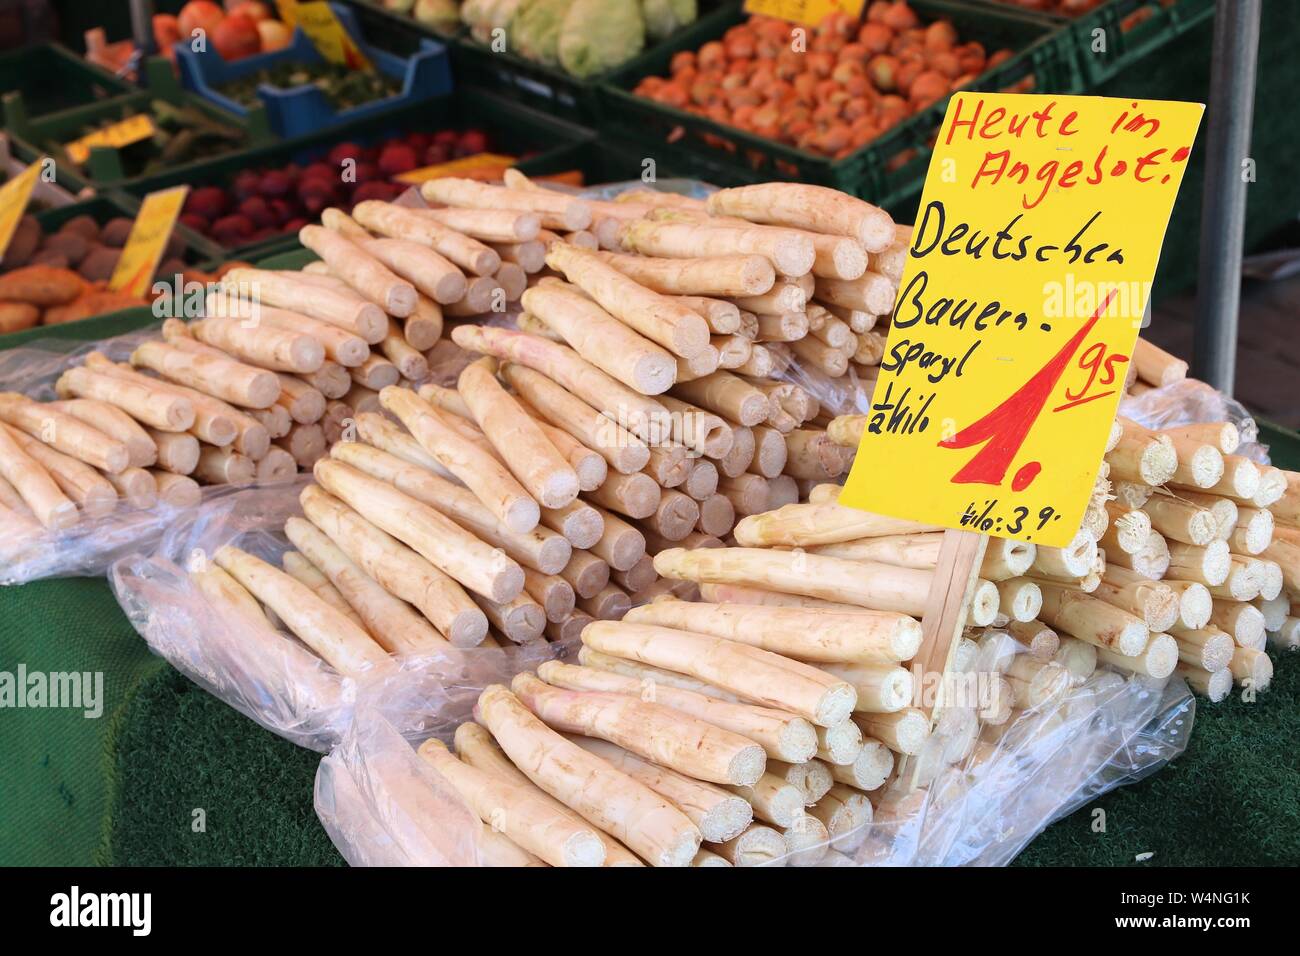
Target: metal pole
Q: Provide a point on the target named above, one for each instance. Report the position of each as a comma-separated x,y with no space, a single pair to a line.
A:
142,25
1223,207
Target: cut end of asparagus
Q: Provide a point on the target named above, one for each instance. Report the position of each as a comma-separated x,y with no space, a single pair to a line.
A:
1161,656
757,846
1216,653
1132,639
797,741
1195,606
906,640
468,628
726,820
836,705
747,766
984,604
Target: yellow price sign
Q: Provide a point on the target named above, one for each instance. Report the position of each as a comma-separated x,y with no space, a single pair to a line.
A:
806,12
148,239
14,196
326,33
493,162
288,10
1027,280
130,130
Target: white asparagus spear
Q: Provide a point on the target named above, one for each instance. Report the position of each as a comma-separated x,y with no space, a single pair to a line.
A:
359,269
292,292
629,811
391,621
64,433
215,421
456,552
533,824
86,487
222,378
168,412
784,736
396,222
526,450
600,338
542,549
659,734
343,645
735,275
38,491
481,472
397,568
817,209
719,815
807,634
116,423
758,675
475,746
861,583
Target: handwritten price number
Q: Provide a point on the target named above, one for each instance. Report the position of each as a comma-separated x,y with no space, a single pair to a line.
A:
985,521
1004,429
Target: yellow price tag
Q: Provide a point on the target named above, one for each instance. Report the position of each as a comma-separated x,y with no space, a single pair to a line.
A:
288,10
806,12
458,167
128,131
1029,272
14,196
322,27
148,239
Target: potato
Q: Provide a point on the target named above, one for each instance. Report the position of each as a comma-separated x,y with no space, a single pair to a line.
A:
115,232
84,226
26,239
99,263
70,245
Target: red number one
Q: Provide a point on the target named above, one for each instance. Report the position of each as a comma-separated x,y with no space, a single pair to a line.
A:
1005,427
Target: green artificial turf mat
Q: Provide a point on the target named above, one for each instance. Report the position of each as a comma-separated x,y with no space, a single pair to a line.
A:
1230,800
56,779
183,750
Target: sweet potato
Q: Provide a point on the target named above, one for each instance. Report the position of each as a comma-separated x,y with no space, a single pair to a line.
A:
40,286
16,316
93,302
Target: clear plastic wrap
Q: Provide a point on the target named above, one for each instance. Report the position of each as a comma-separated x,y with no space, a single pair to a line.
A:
1108,732
271,677
383,805
1189,401
91,546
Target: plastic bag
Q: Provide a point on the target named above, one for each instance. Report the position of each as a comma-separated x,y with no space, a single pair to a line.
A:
88,548
383,805
271,677
1107,732
1189,401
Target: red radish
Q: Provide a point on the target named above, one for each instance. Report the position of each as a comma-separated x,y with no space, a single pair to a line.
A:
199,15
236,37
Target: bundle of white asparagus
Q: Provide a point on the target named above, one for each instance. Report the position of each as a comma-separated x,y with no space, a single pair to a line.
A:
1188,561
702,734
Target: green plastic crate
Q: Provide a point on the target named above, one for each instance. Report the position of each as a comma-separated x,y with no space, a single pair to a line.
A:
103,170
1043,61
544,87
513,127
51,78
87,330
199,252
601,160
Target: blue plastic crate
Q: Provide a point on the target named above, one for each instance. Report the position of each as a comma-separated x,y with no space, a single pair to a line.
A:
306,110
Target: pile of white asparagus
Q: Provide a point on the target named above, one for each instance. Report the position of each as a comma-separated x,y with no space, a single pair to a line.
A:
250,393
703,734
